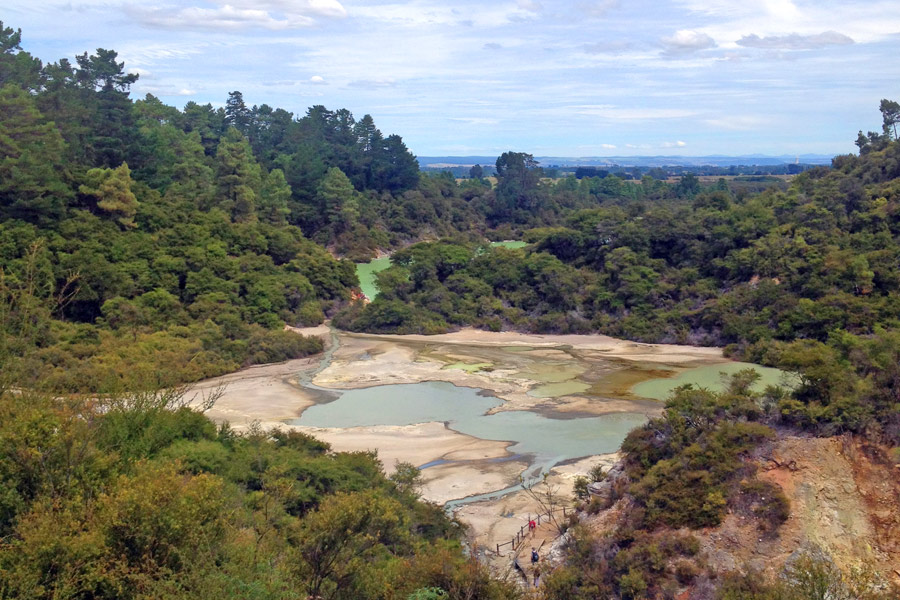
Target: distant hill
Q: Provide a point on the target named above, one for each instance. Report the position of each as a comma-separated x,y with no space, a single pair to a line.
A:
443,162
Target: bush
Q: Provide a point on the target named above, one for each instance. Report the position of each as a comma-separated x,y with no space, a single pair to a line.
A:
686,572
580,487
632,585
596,473
767,502
310,314
266,346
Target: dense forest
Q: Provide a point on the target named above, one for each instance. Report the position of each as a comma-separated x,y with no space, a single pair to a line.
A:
144,246
807,278
180,242
140,496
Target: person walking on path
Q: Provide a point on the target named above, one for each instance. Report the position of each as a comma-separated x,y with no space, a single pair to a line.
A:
535,567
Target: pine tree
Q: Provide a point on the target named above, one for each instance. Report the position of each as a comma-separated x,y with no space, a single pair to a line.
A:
339,199
17,67
237,114
112,190
31,160
238,177
113,137
192,178
273,200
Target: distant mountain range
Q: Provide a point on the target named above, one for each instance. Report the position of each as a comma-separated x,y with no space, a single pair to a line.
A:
442,162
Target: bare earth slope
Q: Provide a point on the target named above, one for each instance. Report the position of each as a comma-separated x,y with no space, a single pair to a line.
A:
845,500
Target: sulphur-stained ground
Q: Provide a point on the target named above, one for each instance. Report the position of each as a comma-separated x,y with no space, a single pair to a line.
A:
521,369
844,499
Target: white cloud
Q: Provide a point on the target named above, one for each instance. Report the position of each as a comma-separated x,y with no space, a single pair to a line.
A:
607,47
326,8
686,41
795,41
783,10
576,72
317,80
737,122
475,120
608,146
730,20
530,5
629,114
424,13
678,144
239,14
596,8
373,84
167,90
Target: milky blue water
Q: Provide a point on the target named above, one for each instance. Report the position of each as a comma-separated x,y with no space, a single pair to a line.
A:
463,409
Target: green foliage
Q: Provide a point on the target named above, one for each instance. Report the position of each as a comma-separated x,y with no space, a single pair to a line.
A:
161,286
111,191
627,564
580,488
339,200
32,186
433,286
274,199
142,497
428,594
237,177
596,473
766,502
684,464
276,346
407,477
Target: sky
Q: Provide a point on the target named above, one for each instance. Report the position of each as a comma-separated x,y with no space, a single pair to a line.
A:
480,77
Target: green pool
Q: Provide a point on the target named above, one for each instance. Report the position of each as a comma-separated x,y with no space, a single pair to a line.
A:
710,377
512,244
366,274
